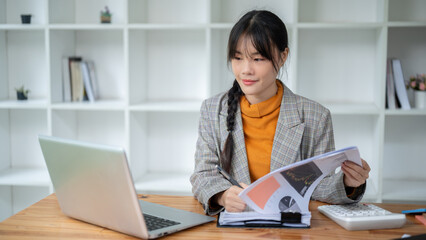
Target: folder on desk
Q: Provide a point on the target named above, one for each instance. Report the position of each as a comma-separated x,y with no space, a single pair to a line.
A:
259,220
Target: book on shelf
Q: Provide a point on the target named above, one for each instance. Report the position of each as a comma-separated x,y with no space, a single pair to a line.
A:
86,80
67,87
66,80
390,87
93,78
79,80
77,87
400,89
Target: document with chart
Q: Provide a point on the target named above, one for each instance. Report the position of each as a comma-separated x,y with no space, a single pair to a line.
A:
289,189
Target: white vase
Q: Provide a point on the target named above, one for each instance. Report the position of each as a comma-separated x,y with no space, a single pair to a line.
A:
420,99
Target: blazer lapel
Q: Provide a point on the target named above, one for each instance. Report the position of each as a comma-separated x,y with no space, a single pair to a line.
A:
288,134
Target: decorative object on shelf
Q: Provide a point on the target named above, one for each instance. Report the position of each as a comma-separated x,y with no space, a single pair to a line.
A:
22,93
26,18
418,84
106,15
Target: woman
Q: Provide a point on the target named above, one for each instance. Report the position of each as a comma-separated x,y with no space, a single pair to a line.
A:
259,125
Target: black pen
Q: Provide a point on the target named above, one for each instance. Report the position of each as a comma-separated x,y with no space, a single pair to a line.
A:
227,176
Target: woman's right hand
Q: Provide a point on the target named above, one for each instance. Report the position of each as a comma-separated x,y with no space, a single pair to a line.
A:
230,200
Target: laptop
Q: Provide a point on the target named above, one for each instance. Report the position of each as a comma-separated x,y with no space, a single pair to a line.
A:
93,184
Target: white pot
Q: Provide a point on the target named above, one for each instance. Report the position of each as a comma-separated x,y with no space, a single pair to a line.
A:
420,99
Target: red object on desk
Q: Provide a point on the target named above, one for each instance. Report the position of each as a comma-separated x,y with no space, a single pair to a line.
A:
421,218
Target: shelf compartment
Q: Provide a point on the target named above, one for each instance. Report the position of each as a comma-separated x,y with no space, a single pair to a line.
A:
407,10
229,11
23,50
168,11
340,66
85,11
403,158
25,177
221,73
154,74
20,128
10,11
409,46
340,11
164,183
104,47
363,131
162,142
100,127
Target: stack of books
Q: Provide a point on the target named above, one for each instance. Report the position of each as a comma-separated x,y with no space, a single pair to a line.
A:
79,82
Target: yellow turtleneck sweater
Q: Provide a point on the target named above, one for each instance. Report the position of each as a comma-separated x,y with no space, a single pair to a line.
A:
259,124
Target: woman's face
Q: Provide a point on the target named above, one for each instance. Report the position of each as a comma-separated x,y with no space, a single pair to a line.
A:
254,73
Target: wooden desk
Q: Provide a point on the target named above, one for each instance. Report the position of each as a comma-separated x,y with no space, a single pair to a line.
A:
44,220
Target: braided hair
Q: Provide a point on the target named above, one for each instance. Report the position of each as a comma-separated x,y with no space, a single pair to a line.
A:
234,95
268,34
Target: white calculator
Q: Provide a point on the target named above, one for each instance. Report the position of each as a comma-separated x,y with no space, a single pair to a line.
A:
360,216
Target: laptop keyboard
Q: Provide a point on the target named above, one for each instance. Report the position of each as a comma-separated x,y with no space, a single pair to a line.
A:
154,223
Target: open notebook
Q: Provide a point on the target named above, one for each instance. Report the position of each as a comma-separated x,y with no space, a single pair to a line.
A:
281,198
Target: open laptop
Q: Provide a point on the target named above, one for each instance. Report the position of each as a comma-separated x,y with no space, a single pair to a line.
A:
93,184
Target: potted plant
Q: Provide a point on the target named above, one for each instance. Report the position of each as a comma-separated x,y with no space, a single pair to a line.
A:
418,84
26,18
106,15
22,93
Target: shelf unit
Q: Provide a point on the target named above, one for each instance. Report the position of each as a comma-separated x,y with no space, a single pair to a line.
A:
156,64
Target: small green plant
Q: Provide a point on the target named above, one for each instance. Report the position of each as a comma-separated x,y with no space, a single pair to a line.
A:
106,15
22,93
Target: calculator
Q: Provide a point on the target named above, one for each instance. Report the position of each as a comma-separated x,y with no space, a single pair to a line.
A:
361,216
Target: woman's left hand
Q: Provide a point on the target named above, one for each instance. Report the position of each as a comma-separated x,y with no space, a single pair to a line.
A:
355,175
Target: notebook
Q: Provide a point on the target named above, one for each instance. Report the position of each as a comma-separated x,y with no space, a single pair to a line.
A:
93,184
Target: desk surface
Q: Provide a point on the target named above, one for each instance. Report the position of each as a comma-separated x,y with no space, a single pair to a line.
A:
44,220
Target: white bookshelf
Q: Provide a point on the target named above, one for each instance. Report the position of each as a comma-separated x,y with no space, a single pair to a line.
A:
156,64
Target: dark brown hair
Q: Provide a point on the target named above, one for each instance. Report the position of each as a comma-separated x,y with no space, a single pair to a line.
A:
268,34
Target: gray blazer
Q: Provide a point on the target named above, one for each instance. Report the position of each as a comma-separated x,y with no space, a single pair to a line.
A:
304,130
